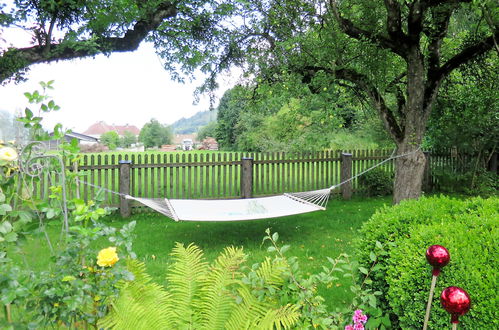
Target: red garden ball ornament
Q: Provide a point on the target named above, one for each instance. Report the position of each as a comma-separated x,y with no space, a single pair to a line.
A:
456,302
438,257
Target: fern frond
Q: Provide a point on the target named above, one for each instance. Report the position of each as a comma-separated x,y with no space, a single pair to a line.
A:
270,271
141,304
216,300
184,280
284,317
247,312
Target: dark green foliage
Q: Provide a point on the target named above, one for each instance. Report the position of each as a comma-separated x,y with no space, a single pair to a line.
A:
480,183
377,182
468,228
207,131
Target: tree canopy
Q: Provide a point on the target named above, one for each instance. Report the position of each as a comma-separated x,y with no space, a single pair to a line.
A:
394,54
154,134
184,32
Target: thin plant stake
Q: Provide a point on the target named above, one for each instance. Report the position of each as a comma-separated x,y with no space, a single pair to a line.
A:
438,257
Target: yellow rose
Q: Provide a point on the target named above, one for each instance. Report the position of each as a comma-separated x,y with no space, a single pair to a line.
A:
107,257
8,154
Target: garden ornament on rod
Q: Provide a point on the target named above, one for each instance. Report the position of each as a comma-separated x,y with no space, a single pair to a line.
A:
456,302
34,160
437,257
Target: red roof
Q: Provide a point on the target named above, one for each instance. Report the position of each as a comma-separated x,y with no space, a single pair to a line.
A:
101,127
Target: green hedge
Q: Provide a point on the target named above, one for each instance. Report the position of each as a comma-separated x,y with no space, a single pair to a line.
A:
468,228
377,182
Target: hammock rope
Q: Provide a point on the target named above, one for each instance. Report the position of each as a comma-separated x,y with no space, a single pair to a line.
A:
244,209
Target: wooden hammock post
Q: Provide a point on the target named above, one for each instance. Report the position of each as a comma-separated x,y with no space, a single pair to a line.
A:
246,177
346,174
125,166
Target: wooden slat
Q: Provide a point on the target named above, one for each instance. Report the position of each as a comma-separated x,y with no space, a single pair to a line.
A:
177,177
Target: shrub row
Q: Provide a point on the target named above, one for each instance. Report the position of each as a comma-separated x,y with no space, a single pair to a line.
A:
468,228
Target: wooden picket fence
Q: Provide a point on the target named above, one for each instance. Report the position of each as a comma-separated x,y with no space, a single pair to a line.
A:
219,175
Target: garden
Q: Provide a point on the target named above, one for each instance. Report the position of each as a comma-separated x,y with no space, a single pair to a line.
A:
390,104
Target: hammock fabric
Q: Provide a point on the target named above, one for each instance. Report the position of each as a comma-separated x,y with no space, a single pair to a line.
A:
238,209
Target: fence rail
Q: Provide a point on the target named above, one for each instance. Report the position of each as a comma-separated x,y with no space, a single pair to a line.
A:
218,175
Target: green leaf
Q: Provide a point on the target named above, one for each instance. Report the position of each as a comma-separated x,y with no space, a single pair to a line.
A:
5,227
4,208
11,237
363,270
275,237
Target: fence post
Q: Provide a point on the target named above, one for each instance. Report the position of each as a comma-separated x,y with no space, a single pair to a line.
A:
427,172
247,177
345,174
75,171
125,165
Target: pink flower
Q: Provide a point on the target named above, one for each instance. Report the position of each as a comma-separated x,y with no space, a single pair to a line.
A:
359,318
349,327
358,326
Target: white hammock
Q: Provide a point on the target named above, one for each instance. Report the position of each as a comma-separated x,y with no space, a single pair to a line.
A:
243,209
238,209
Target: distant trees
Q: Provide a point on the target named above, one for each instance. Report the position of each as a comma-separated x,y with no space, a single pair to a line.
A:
154,134
110,139
207,130
127,139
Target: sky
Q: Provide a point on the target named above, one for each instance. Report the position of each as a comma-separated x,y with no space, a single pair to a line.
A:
124,88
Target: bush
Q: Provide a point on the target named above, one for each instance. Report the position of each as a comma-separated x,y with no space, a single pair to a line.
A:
377,182
468,228
480,183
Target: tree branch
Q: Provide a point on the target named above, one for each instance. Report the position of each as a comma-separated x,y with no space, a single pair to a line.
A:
394,20
397,46
128,42
441,18
435,78
362,82
467,54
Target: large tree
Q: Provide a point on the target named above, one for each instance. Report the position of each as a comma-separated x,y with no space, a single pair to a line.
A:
185,33
395,53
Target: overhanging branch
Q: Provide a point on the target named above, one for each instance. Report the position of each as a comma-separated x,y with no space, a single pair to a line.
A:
397,45
362,82
128,42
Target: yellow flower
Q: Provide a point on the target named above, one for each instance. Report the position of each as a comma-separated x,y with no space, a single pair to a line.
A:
8,154
107,257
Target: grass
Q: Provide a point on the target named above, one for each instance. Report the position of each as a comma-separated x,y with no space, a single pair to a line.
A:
313,237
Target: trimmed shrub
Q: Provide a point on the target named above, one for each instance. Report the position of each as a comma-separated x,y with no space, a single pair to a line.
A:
468,228
377,182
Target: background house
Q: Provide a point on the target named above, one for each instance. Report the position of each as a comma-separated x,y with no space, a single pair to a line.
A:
99,128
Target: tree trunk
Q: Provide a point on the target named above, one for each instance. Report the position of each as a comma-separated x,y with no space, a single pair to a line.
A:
409,172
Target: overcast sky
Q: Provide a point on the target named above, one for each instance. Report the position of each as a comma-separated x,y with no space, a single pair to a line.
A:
125,88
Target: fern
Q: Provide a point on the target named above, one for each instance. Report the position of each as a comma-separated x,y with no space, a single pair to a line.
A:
141,304
216,300
184,281
199,296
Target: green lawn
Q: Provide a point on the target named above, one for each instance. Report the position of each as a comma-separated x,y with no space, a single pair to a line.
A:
313,237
